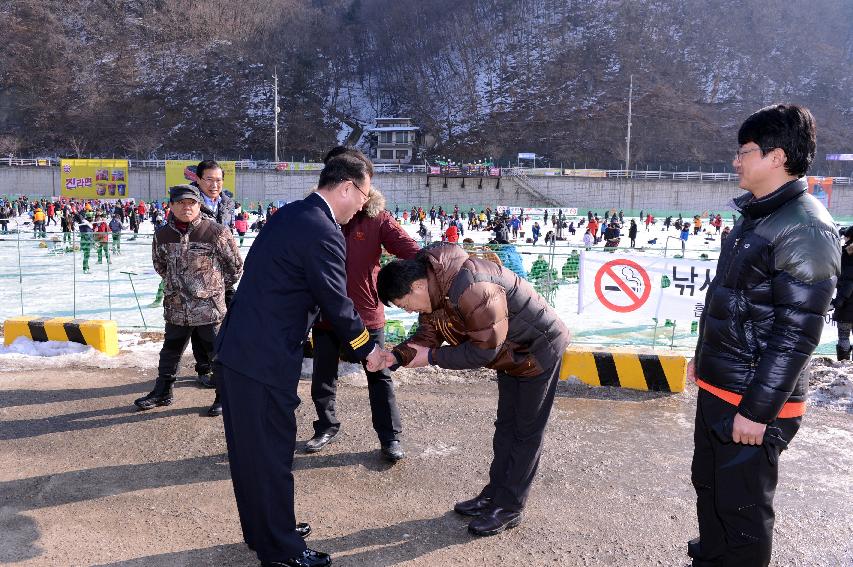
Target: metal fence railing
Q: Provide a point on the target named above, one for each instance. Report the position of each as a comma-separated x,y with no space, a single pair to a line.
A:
412,168
44,277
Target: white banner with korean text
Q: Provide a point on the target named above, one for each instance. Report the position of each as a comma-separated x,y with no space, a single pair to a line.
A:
643,286
682,291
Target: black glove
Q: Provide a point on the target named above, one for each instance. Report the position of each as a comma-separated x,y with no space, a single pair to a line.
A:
229,295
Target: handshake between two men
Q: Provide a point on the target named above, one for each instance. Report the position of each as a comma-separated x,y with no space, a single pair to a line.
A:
380,358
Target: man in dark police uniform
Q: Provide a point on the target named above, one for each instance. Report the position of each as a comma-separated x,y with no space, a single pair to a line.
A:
295,268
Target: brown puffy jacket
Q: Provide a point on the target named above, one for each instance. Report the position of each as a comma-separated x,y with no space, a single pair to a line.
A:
197,267
487,315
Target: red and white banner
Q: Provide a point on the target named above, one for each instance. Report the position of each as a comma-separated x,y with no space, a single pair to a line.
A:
620,285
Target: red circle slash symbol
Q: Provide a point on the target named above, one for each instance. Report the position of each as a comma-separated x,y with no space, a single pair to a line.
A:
630,282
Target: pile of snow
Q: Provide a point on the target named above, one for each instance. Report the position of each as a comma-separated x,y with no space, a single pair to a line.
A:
28,347
26,354
831,384
348,372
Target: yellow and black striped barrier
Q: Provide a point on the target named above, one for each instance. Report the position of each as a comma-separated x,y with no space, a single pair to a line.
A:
99,334
638,371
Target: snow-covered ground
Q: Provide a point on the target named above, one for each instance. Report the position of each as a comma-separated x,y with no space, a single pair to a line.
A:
37,277
136,351
831,384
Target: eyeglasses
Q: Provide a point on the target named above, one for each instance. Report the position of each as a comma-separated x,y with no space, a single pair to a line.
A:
214,181
740,153
363,194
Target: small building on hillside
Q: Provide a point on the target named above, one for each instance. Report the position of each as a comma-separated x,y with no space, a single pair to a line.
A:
393,140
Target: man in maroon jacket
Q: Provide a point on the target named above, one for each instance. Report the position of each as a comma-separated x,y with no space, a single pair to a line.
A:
369,230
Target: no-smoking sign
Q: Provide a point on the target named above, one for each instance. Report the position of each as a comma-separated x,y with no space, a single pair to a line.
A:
622,286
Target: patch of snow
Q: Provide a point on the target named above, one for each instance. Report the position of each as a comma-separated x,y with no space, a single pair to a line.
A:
23,346
438,450
26,354
831,384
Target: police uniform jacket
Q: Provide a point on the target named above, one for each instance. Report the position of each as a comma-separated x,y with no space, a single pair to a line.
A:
295,268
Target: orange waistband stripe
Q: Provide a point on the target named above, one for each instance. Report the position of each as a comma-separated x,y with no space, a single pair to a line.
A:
790,409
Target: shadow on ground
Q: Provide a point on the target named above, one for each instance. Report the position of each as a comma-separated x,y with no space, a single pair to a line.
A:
13,398
108,417
387,545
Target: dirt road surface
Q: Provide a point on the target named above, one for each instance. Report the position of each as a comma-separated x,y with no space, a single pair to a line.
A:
86,480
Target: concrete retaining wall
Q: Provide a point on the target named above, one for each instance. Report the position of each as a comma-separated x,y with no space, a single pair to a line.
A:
404,190
657,196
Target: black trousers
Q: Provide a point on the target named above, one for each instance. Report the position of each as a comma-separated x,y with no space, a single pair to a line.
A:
175,341
380,388
734,484
524,405
201,355
260,431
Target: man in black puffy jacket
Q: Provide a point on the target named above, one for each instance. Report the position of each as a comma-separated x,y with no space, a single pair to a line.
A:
843,302
763,317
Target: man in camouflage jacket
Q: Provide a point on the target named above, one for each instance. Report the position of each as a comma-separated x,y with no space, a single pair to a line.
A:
198,260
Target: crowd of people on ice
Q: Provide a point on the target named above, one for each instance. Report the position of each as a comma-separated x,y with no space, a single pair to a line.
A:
508,226
101,222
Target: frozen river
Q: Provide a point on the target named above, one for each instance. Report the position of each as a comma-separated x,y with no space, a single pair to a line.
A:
37,277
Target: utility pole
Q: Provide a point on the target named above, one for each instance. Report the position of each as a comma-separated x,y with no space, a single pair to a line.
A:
277,110
628,137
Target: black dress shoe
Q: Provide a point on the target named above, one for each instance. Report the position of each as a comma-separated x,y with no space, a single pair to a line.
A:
215,410
393,452
309,558
694,549
303,529
320,440
152,401
493,521
473,507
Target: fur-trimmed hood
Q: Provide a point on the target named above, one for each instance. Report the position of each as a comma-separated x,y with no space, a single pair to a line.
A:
375,203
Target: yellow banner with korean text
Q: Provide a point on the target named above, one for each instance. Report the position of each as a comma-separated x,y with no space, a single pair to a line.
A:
94,178
182,172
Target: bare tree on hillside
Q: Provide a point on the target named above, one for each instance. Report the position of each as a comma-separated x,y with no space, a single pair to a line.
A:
78,145
10,145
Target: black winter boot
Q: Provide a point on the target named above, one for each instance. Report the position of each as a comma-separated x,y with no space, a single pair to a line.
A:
161,395
206,380
843,354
